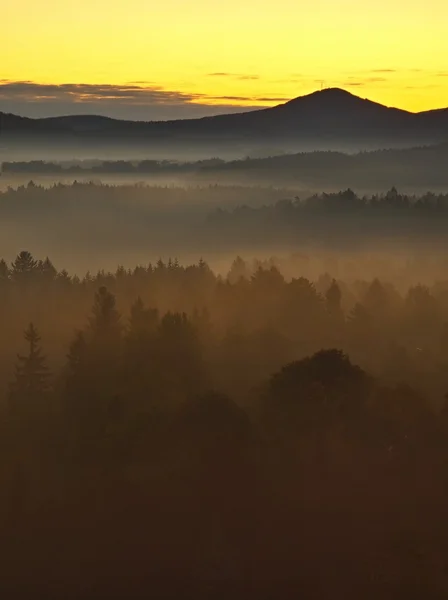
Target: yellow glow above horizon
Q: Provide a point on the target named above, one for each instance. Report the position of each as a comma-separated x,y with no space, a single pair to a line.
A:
245,52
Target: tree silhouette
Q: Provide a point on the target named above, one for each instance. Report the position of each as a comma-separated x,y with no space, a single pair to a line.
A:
4,271
23,267
316,390
77,353
237,270
333,298
31,373
105,320
46,270
179,357
139,356
212,423
142,321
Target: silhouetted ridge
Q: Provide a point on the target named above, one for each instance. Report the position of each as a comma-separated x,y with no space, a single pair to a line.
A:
332,114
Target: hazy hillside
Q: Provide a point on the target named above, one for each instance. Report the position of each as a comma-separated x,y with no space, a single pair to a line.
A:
330,119
418,168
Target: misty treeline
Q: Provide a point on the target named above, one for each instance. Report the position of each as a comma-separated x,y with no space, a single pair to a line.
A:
100,224
51,201
107,166
347,202
93,225
168,431
411,167
339,219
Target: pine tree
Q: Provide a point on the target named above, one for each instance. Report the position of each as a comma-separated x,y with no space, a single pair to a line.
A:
47,270
77,373
105,320
23,267
139,355
76,354
64,278
333,299
31,374
238,270
142,320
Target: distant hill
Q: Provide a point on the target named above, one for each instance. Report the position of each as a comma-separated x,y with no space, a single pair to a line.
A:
330,118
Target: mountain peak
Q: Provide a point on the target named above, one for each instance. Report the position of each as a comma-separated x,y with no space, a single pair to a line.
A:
332,91
332,96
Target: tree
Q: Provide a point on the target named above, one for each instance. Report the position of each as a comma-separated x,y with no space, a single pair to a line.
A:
316,390
140,342
4,271
93,368
238,270
359,319
333,298
77,354
47,270
376,299
64,278
31,373
23,267
444,342
212,423
421,305
105,320
143,321
267,280
179,357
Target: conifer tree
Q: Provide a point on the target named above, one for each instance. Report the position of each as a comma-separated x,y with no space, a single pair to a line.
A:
31,373
333,298
23,267
77,353
142,320
47,270
105,319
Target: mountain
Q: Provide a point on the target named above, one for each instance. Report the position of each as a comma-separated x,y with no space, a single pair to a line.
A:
331,118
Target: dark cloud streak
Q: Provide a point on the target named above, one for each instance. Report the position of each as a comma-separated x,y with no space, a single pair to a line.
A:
131,100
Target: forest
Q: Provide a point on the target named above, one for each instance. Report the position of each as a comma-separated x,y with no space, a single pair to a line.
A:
419,167
167,430
93,225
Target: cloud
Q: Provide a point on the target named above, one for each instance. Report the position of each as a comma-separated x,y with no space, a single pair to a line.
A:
130,100
248,77
240,77
132,93
83,92
250,98
360,81
383,71
271,99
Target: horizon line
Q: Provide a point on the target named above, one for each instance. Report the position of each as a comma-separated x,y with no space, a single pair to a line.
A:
190,101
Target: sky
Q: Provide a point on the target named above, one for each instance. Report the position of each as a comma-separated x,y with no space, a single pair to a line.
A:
142,59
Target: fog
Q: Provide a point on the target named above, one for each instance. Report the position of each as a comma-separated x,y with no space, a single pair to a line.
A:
210,389
179,150
92,225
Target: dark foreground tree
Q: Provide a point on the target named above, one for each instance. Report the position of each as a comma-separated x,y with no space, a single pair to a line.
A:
317,390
